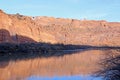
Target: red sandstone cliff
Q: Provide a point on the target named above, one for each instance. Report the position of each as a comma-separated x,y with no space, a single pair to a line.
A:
19,28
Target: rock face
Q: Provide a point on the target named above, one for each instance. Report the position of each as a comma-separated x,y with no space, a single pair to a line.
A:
17,28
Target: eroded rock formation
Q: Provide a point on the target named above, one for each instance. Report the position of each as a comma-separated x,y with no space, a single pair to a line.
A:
58,30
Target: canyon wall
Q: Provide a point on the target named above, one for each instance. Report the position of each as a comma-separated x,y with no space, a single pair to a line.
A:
17,28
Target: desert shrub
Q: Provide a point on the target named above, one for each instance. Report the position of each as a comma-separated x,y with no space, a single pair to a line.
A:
110,66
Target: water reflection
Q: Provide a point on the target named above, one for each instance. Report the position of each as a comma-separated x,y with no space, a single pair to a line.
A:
77,77
67,66
74,64
3,64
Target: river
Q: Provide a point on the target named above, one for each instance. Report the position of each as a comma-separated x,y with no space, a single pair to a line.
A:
79,65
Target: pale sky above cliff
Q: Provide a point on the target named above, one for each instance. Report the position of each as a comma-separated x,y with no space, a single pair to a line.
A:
78,9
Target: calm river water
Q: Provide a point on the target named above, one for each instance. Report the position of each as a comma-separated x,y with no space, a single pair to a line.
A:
75,66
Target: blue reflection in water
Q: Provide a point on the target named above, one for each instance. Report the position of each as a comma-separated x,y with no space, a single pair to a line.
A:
64,78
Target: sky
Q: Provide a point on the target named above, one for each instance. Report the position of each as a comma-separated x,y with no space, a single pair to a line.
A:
77,9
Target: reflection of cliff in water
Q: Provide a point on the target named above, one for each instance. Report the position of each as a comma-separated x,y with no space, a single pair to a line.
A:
74,64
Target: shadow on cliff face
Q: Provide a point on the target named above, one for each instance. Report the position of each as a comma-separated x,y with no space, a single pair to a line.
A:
19,47
6,37
110,66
